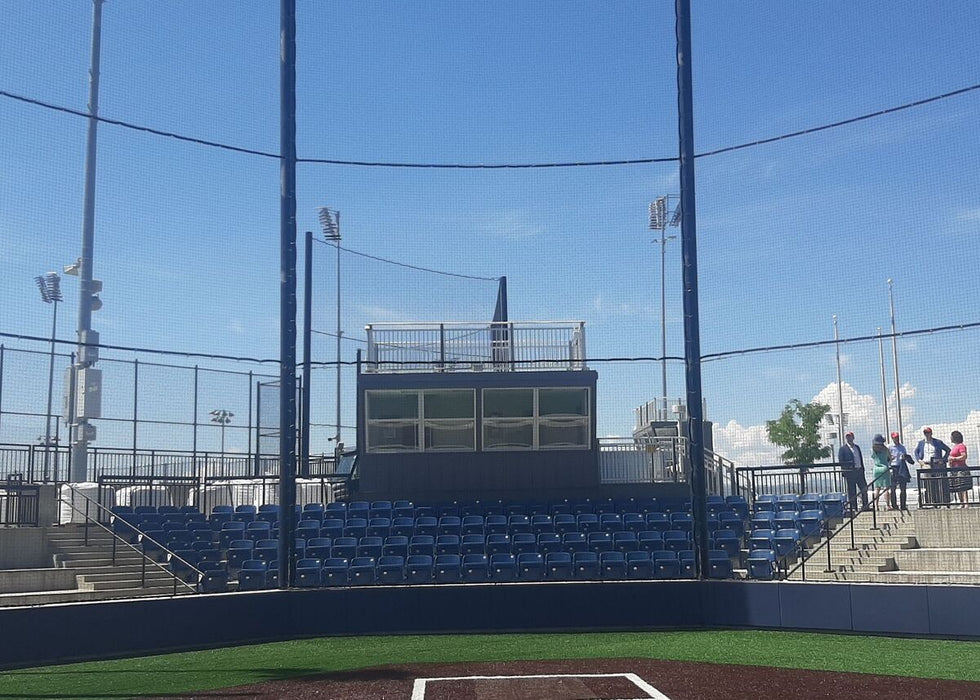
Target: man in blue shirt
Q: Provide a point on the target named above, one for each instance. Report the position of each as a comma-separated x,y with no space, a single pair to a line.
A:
852,467
899,462
931,454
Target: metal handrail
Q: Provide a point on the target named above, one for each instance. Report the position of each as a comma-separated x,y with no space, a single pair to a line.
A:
847,523
139,550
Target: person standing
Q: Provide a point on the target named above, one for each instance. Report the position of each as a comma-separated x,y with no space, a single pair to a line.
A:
960,481
899,461
882,470
931,454
852,466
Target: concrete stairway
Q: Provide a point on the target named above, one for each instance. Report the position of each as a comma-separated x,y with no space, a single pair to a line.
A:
97,576
874,552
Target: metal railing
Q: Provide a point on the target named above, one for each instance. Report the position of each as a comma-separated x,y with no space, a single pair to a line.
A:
28,461
804,555
97,515
475,347
947,487
653,460
19,502
790,479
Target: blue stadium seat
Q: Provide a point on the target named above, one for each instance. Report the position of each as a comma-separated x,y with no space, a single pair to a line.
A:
611,522
427,525
811,525
471,525
214,580
334,571
530,566
253,575
729,520
359,509
308,529
447,509
565,523
647,505
503,567
313,511
239,552
244,513
728,541
558,566
739,506
833,505
379,527
561,508
369,546
582,508
472,544
266,550
355,527
786,519
761,539
402,509
418,568
788,502
495,525
585,566
447,569
524,543
232,530
422,544
268,512
681,521
764,502
587,522
658,521
677,540
362,571
574,542
634,522
318,547
183,562
549,542
612,565
380,509
152,542
650,540
391,570
603,505
639,565
786,543
686,559
219,516
762,520
403,525
810,501
762,564
395,546
447,544
449,525
715,504
719,564
335,509
600,542
498,544
332,528
625,541
542,522
475,568
665,565
518,523
343,548
308,573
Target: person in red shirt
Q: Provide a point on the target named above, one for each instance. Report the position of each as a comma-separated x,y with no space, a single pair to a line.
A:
960,481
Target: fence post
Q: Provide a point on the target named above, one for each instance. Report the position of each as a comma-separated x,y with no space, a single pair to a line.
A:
194,450
2,349
136,400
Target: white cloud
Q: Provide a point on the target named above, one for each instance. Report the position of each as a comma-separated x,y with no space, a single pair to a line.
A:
972,214
510,223
747,446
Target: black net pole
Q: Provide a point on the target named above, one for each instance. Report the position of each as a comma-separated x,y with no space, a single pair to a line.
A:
689,252
287,290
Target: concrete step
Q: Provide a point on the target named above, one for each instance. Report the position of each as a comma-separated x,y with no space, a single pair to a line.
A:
934,577
125,584
952,559
75,596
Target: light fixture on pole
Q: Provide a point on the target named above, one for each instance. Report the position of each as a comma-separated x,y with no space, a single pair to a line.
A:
50,287
840,392
898,385
222,418
330,225
659,210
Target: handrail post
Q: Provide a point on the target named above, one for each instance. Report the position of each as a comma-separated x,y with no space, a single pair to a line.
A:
851,524
86,522
143,574
830,565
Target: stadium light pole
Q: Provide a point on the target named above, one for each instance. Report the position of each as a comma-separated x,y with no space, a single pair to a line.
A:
840,392
222,417
50,287
884,390
659,209
330,225
898,385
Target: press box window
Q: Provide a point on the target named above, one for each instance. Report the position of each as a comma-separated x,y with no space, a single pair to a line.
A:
392,421
449,420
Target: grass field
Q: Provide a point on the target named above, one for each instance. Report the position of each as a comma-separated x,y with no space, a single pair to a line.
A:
231,666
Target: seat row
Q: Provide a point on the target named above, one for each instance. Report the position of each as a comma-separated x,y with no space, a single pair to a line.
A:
831,504
479,568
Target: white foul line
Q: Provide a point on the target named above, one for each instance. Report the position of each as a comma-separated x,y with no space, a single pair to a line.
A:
418,688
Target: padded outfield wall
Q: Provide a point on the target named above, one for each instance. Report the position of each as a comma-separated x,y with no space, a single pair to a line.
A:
60,633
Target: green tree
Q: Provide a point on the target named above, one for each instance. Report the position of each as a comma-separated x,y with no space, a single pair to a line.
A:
798,430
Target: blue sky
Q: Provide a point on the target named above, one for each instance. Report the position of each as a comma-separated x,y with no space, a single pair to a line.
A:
789,233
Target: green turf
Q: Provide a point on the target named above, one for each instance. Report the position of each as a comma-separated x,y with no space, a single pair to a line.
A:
219,668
